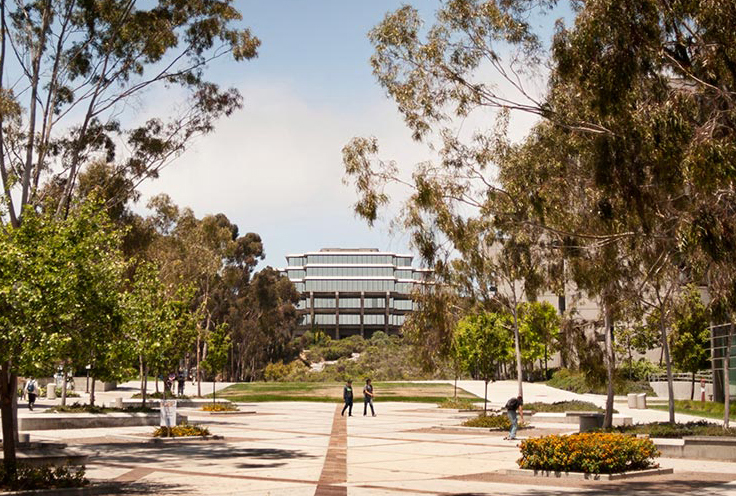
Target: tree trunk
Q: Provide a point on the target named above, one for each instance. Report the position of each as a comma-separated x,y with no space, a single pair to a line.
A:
668,364
485,399
455,396
608,324
199,356
8,388
143,381
92,392
692,388
519,378
63,388
144,389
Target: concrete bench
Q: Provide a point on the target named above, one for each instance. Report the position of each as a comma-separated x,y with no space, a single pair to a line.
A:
699,448
564,418
588,421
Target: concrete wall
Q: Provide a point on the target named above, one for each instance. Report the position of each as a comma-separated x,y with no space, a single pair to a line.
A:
681,389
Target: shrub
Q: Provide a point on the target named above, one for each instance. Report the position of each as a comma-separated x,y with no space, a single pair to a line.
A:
219,407
457,403
45,477
183,430
592,453
85,408
582,383
499,421
667,430
563,406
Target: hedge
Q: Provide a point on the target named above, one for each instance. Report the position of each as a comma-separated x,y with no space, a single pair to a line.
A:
592,453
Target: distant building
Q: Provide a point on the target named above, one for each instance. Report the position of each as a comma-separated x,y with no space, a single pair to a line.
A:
348,292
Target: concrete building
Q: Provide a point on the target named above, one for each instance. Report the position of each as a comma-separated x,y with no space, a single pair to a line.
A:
353,291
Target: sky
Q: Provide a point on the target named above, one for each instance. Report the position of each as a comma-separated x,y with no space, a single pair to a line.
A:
275,167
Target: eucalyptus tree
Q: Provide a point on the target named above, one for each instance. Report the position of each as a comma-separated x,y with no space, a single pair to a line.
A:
70,72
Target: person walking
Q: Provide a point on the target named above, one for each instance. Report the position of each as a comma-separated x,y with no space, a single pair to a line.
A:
347,396
515,410
368,398
181,380
32,389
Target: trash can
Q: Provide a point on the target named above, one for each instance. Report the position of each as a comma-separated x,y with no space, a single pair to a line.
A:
632,400
641,401
51,391
118,402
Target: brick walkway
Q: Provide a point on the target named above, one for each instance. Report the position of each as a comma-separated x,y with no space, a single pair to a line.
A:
335,470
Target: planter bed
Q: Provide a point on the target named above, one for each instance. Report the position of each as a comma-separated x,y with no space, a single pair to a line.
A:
53,421
583,476
102,489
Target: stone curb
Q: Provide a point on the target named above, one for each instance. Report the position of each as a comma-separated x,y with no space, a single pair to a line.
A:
584,476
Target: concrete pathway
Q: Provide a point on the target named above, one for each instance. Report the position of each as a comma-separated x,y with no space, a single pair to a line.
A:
309,449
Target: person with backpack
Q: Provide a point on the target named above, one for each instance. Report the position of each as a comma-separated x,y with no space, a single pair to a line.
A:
368,398
347,396
515,410
32,390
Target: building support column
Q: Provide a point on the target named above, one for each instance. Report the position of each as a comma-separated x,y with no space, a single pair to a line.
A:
337,315
385,322
362,313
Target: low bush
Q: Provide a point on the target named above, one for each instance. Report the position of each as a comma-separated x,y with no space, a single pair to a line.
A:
457,403
563,406
592,453
183,430
219,407
667,430
499,421
579,382
45,477
79,408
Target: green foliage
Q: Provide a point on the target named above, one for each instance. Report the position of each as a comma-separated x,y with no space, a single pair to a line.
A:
219,345
183,430
709,409
539,329
563,406
29,477
482,342
498,421
590,453
639,370
280,371
328,349
579,382
667,430
690,336
85,408
457,404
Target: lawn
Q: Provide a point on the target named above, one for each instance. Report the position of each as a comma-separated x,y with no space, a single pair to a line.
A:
331,392
708,409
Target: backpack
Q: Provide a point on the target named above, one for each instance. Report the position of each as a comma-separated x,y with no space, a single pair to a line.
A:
31,388
512,404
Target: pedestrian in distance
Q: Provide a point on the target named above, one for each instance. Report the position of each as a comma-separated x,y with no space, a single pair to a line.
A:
515,410
181,380
368,398
347,396
32,390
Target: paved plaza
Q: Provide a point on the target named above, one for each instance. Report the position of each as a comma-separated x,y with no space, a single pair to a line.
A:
310,449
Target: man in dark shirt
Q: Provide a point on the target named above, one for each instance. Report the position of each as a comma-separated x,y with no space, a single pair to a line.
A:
347,396
513,405
368,398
